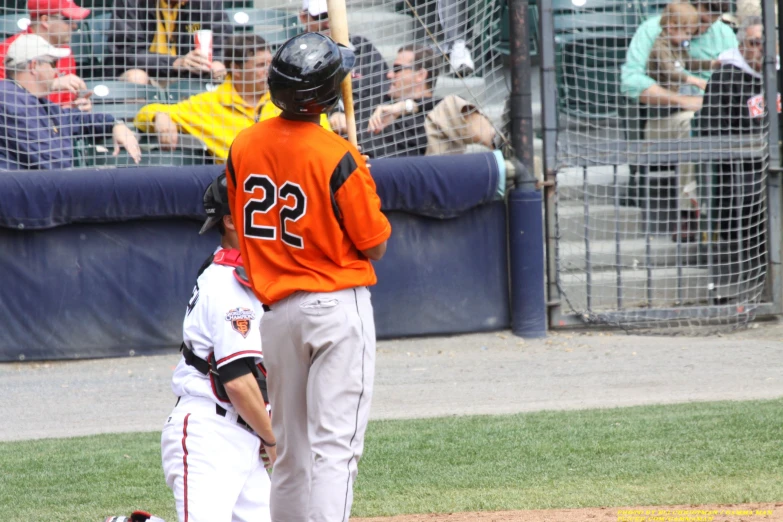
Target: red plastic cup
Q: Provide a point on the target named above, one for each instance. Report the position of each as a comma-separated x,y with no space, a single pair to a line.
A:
203,41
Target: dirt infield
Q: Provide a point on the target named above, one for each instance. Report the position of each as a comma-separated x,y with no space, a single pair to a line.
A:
702,513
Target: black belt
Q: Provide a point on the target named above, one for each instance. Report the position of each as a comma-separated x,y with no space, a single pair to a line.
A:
222,412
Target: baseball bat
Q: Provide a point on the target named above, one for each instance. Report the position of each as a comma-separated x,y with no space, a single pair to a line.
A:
338,24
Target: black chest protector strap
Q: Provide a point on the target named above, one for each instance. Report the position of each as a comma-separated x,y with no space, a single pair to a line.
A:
191,359
209,368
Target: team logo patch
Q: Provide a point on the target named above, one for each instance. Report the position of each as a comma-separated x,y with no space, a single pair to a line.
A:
240,319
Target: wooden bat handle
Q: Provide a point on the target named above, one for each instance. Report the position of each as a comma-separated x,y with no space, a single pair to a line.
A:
338,24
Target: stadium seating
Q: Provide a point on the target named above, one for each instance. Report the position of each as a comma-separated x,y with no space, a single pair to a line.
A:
189,151
591,46
274,25
114,91
122,99
13,23
184,89
92,45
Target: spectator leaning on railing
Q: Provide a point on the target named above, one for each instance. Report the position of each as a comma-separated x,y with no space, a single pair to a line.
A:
55,21
412,122
153,39
34,132
734,105
217,117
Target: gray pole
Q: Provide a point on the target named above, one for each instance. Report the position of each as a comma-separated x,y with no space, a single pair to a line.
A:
521,91
525,220
774,180
549,127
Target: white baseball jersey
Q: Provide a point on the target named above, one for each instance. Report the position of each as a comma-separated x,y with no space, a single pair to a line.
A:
211,459
222,316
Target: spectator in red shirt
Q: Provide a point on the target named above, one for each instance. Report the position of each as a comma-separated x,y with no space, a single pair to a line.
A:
55,21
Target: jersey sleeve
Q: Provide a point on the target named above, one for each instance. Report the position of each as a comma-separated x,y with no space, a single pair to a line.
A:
358,203
234,324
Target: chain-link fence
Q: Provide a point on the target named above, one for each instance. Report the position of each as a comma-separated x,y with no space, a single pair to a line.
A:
186,77
662,163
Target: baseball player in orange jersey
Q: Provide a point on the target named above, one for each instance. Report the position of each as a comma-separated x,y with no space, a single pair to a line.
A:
309,221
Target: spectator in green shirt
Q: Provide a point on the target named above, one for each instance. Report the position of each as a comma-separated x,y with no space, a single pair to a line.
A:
714,37
669,113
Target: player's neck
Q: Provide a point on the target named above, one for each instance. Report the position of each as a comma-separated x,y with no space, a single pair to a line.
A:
229,240
301,117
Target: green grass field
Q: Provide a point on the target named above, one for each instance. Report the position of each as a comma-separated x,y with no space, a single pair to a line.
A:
653,455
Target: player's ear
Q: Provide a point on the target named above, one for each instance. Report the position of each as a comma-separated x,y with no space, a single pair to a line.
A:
228,222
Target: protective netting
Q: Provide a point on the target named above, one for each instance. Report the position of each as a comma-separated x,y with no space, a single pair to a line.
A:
187,76
662,156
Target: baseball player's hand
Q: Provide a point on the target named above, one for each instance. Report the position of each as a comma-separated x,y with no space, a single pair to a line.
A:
124,137
194,61
268,455
166,130
70,83
384,116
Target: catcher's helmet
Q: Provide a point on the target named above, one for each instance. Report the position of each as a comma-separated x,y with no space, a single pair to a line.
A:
306,72
215,202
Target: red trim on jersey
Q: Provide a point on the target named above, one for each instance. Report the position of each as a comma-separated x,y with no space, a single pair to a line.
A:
243,352
228,257
185,461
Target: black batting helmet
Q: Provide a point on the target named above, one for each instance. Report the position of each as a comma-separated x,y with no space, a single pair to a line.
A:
215,202
306,72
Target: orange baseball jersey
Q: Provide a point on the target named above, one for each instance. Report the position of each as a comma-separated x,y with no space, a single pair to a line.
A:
304,205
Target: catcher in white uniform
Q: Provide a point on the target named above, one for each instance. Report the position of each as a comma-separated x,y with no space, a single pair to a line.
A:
219,437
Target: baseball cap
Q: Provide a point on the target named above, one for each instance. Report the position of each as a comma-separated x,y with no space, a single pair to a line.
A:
67,8
29,47
314,7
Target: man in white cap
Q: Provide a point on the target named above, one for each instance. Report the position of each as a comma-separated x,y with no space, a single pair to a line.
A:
55,21
37,134
369,75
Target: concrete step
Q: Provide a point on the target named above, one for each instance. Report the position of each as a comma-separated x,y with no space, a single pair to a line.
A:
697,287
632,254
381,27
290,5
472,88
601,185
351,5
601,219
385,5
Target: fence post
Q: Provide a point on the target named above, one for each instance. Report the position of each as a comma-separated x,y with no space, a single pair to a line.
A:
549,127
774,179
525,224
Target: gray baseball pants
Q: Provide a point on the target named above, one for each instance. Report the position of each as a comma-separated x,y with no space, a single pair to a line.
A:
319,350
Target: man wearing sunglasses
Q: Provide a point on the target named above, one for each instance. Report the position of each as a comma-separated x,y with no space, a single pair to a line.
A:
368,77
413,122
734,105
55,21
36,133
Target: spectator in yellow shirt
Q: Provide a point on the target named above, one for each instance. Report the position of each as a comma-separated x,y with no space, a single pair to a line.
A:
217,117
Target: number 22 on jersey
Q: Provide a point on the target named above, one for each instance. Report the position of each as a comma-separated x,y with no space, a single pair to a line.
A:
293,207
